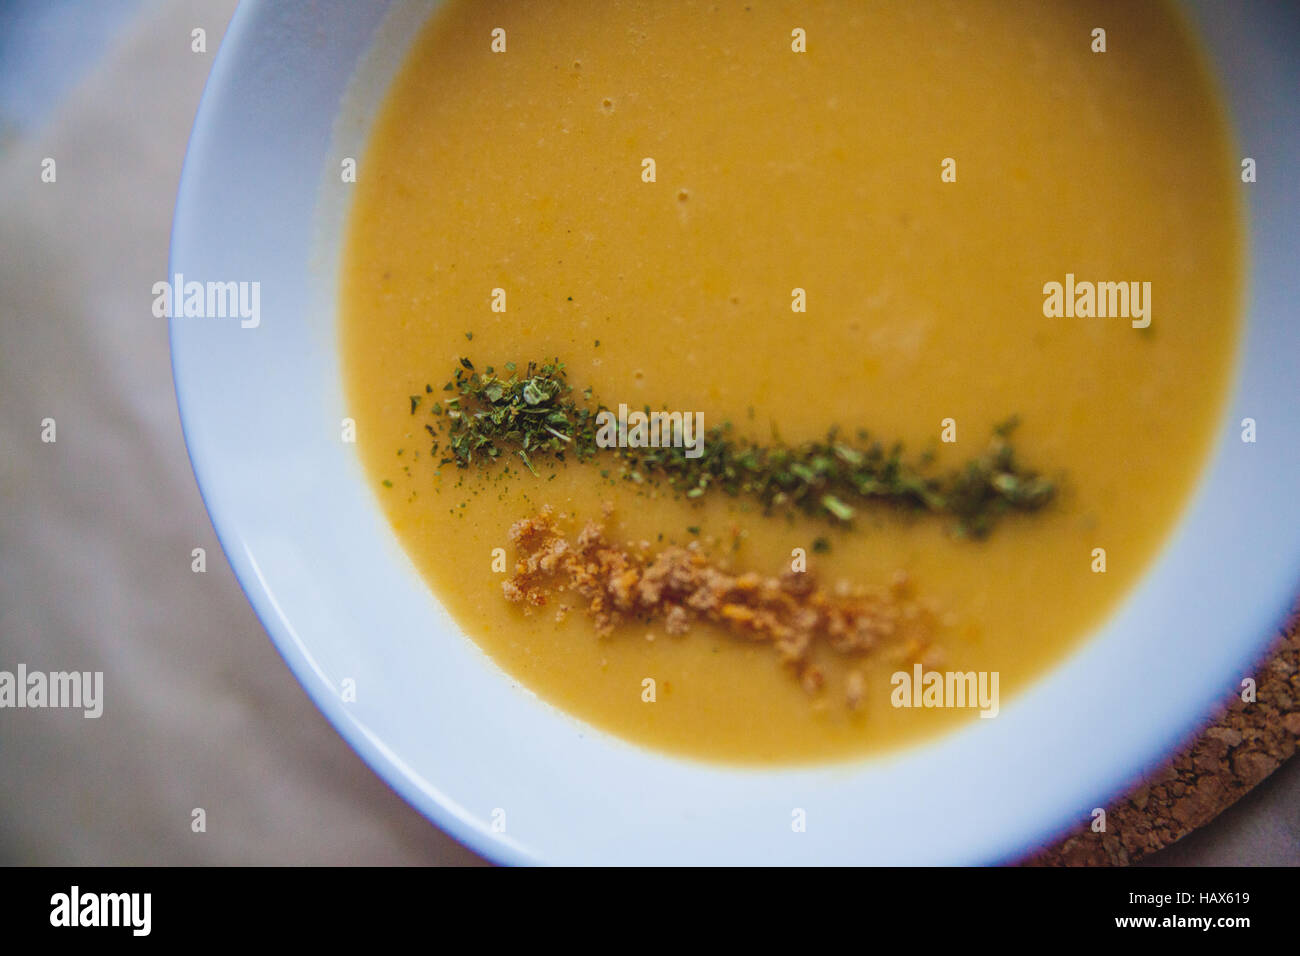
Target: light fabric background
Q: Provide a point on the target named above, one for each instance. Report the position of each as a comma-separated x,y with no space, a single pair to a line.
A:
96,530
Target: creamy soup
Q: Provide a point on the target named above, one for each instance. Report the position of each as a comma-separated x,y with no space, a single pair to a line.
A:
854,216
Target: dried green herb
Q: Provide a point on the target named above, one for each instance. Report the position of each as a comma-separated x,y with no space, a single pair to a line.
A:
534,415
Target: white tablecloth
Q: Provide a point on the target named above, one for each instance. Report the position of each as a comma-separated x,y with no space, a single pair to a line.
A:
96,529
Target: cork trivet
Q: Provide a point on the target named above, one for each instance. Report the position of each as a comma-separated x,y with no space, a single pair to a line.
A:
1244,745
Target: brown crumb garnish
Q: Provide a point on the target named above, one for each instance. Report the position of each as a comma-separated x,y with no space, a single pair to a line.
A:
680,586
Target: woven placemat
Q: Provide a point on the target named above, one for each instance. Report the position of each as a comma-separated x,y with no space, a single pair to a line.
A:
1246,743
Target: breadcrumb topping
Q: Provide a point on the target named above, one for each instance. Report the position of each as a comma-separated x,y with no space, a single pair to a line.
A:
680,586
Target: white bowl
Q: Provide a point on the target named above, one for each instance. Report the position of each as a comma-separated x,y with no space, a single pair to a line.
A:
261,200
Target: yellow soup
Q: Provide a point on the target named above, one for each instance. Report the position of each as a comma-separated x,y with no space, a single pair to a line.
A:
922,172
